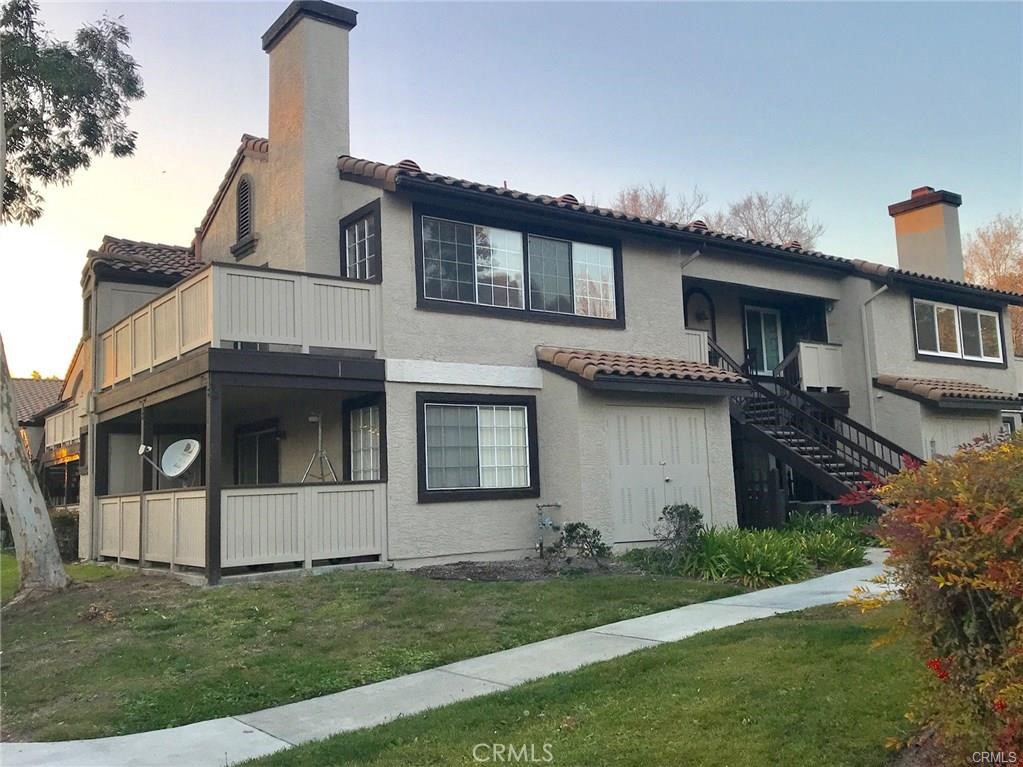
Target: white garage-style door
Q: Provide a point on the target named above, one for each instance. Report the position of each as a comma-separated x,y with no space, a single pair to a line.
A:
646,447
943,436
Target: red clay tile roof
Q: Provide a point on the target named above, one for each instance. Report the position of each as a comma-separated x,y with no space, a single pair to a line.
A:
32,395
248,146
389,177
589,363
144,257
944,389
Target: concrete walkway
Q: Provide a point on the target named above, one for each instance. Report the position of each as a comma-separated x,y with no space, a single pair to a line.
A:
220,742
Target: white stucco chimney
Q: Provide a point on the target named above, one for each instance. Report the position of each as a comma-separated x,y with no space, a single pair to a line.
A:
927,233
308,49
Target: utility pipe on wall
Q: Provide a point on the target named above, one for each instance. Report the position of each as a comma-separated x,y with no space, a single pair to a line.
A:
866,357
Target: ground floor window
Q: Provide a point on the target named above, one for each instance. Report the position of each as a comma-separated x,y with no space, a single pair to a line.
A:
476,447
257,454
364,456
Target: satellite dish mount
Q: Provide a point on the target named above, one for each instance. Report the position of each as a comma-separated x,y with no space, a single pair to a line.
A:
176,459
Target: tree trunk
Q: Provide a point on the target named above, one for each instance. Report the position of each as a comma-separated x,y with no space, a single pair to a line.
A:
34,541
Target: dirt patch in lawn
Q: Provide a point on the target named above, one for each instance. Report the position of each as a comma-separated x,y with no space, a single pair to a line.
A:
521,570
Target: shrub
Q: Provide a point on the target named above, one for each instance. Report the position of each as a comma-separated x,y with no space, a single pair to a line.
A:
855,528
830,550
955,529
679,531
578,540
65,530
755,558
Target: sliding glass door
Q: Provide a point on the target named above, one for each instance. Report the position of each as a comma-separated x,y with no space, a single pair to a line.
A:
763,338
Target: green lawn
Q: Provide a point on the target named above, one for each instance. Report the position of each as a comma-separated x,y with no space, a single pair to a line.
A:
80,572
799,689
137,653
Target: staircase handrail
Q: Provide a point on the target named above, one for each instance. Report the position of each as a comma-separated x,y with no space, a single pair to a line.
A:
798,419
725,357
850,422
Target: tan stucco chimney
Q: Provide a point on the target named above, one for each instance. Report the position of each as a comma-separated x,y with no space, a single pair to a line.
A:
927,233
308,49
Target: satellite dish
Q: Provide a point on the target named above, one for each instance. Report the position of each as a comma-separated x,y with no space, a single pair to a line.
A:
178,457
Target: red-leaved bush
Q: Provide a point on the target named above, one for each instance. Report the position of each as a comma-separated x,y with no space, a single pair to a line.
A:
955,529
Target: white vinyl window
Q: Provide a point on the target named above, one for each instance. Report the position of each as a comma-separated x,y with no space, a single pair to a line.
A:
947,330
362,260
476,446
365,444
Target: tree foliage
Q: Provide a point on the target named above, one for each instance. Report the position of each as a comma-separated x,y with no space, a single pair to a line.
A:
775,218
64,103
993,256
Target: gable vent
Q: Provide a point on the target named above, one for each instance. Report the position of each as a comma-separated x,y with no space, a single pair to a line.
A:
410,165
244,208
795,244
568,199
699,224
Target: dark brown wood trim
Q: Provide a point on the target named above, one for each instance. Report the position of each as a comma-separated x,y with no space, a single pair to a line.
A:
214,442
352,370
370,208
482,494
190,366
526,314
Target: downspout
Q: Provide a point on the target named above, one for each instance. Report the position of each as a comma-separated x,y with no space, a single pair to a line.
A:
92,420
682,268
866,357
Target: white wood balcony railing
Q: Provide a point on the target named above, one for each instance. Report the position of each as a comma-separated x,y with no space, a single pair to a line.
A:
224,304
61,427
1017,363
173,526
820,366
695,345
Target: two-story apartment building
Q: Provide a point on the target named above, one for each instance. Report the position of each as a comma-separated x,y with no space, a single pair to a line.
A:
388,365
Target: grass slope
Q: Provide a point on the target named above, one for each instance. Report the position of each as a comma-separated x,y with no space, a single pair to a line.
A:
800,689
138,653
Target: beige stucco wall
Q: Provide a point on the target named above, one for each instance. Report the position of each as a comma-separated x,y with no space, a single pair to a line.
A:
763,273
308,130
926,430
222,231
653,305
572,425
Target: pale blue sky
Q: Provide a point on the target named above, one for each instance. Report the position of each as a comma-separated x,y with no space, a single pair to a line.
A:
848,106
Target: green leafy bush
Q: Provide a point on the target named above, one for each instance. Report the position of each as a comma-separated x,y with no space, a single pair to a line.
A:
578,540
955,529
855,528
755,558
829,550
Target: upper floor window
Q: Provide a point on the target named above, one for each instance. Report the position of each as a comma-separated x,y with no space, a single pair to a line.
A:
947,330
244,209
536,276
360,244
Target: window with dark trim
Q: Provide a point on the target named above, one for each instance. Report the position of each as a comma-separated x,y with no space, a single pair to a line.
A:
957,332
257,453
364,438
466,264
360,244
476,447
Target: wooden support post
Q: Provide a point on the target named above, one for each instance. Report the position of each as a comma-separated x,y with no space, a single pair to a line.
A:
214,441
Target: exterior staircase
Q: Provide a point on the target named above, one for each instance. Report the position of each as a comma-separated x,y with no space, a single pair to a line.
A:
826,447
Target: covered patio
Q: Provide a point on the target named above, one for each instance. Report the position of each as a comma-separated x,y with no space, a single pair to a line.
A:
291,473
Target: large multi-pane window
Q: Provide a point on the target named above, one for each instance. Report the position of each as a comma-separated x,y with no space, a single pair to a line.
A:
257,455
485,265
365,444
469,446
947,330
472,264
